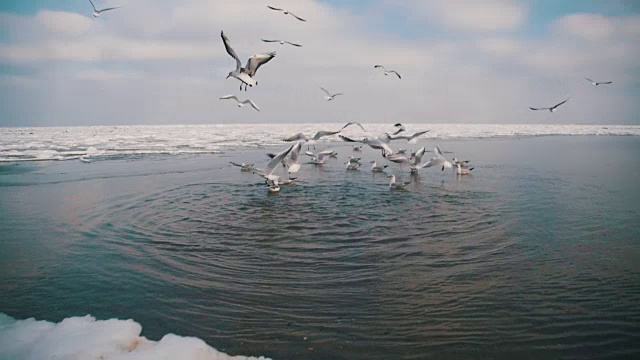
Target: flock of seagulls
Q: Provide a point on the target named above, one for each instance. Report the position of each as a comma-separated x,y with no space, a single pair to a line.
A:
290,157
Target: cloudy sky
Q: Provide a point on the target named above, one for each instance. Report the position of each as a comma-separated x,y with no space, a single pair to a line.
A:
462,61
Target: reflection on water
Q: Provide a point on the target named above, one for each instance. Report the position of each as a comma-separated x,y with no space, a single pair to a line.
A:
521,259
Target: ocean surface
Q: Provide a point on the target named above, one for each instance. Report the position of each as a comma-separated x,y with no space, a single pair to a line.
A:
536,255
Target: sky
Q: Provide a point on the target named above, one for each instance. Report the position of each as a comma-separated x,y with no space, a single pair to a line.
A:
461,61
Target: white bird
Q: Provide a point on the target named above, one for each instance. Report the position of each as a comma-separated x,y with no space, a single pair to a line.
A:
282,42
96,12
417,159
400,128
246,74
387,72
460,162
461,171
551,109
267,172
319,158
286,12
330,96
436,161
357,147
373,143
291,164
318,135
393,185
376,168
85,159
594,83
273,186
353,164
410,138
354,159
398,159
243,167
241,103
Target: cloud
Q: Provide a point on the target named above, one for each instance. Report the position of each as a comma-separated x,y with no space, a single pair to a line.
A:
169,65
592,27
471,15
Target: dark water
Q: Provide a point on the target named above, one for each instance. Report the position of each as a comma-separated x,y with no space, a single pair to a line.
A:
537,255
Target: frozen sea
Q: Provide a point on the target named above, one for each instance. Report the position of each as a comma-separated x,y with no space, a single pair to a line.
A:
536,255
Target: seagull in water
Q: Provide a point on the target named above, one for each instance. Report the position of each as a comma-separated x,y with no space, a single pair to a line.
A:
267,172
551,109
96,12
595,83
241,103
243,167
319,158
330,96
292,163
393,185
357,147
387,72
282,42
246,74
437,160
376,168
463,171
286,12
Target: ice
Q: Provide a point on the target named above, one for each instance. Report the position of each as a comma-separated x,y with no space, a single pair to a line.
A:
67,143
87,338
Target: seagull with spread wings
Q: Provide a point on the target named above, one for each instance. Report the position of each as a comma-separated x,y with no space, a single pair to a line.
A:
96,12
596,83
241,103
387,72
246,74
282,42
286,12
330,96
551,109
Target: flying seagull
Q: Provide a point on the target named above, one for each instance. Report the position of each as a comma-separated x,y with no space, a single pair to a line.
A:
387,72
243,167
96,12
241,103
594,83
267,172
552,109
330,96
437,160
373,143
282,42
246,74
409,138
318,159
286,12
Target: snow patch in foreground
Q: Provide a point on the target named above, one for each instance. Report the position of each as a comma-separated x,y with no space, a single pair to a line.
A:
88,338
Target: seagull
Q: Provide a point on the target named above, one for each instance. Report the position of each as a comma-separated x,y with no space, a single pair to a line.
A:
410,138
357,147
393,185
85,159
243,167
286,12
460,162
246,74
96,12
438,160
292,163
400,128
353,164
241,103
319,134
417,159
282,42
387,72
402,151
594,83
398,159
319,158
373,143
267,172
462,171
273,186
551,109
376,168
330,96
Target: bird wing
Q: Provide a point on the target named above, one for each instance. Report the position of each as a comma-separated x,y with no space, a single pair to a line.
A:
419,133
276,160
386,148
418,157
253,105
379,66
226,97
236,164
353,123
294,44
336,94
309,153
94,7
107,9
323,154
349,139
274,8
230,51
295,152
398,125
532,108
322,133
589,80
395,72
438,153
325,90
296,137
270,41
296,16
604,83
254,62
398,131
556,105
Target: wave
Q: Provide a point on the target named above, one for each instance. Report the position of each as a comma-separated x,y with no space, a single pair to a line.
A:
88,338
69,143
